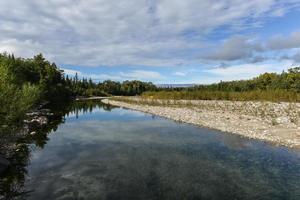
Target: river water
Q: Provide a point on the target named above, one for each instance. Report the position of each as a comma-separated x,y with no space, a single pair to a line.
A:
102,152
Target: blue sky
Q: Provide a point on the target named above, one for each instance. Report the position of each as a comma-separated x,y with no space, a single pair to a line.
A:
163,41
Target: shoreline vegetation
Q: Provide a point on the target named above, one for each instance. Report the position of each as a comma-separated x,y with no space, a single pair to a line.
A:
30,88
283,87
276,95
31,84
35,96
277,123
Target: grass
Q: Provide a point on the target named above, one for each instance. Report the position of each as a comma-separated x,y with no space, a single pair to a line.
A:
255,95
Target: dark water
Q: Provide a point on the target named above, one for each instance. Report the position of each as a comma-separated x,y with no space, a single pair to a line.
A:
112,153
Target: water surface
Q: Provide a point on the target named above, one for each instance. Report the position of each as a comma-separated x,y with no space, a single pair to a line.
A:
114,153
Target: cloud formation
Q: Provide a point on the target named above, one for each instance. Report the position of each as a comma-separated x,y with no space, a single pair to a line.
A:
135,32
280,42
143,75
252,51
235,48
296,57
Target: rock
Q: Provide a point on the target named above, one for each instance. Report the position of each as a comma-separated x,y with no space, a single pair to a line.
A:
32,113
40,120
226,116
33,133
4,163
282,120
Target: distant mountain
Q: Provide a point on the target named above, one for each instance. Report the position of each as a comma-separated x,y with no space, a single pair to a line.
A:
174,85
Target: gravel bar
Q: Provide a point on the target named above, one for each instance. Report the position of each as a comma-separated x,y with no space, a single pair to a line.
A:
272,122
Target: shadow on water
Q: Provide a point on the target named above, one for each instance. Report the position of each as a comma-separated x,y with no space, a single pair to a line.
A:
89,150
16,144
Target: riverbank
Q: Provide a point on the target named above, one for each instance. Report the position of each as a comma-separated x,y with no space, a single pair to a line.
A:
277,123
90,98
11,136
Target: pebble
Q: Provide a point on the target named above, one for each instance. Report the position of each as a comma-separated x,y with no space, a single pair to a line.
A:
253,127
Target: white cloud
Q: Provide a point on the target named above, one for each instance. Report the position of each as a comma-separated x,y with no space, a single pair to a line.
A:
125,32
144,75
180,73
246,71
72,72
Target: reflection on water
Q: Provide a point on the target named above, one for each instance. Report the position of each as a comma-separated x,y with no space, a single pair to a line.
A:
17,146
100,152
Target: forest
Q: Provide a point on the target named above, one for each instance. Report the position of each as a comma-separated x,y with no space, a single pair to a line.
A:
266,87
88,88
26,83
32,82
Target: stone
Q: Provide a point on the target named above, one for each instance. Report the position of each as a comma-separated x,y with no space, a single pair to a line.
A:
224,116
282,120
33,133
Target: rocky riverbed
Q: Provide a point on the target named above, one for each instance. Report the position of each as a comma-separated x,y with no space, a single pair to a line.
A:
278,123
11,136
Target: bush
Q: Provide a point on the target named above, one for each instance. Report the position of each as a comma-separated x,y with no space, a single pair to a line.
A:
14,100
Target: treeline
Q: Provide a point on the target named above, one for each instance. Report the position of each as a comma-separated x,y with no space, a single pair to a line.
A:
84,87
288,81
25,83
268,87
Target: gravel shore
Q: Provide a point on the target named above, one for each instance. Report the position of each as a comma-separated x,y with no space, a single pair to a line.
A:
278,123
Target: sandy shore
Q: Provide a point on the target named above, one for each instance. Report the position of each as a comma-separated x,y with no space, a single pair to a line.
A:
273,122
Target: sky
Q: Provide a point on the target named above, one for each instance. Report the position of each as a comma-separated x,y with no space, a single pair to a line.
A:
162,41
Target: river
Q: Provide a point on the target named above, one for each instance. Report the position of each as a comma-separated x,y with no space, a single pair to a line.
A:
100,152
